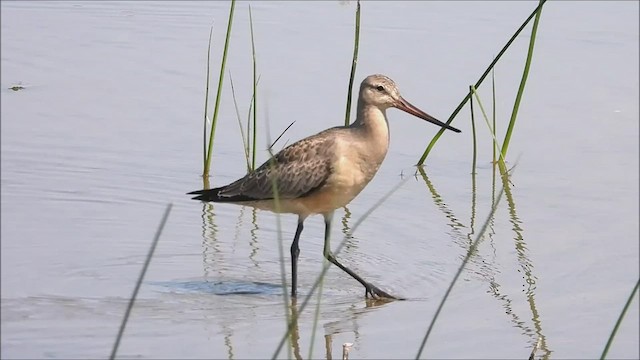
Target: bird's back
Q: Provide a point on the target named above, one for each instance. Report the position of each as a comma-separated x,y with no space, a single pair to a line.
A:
297,170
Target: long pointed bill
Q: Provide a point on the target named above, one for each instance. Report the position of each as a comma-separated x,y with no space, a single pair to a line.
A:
406,106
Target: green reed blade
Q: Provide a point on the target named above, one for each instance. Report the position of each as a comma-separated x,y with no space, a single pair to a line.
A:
255,93
486,119
619,321
245,146
493,115
480,80
206,103
207,164
250,128
136,288
290,319
473,135
523,81
354,62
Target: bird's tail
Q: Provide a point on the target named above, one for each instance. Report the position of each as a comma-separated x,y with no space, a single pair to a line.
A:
207,195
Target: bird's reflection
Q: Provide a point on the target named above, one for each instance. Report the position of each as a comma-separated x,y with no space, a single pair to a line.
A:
348,323
213,266
294,334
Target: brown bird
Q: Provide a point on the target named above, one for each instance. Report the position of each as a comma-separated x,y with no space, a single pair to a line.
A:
325,171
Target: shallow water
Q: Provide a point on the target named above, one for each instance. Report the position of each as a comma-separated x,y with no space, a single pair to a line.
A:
107,131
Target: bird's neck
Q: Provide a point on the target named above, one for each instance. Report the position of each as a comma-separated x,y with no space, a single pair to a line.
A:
371,140
372,122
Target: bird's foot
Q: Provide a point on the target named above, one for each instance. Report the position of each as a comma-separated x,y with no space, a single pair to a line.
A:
375,293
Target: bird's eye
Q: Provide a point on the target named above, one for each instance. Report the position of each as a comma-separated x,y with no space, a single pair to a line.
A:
380,88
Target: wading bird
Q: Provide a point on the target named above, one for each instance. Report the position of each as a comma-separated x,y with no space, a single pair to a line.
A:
325,171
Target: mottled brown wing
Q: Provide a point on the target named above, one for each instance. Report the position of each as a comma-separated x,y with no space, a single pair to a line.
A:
298,170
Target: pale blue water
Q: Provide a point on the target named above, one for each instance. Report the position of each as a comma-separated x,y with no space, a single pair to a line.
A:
108,131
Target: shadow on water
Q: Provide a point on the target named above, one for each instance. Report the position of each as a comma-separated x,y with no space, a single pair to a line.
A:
487,269
225,324
205,286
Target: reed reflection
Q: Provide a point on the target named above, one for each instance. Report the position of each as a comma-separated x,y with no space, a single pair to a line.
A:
487,272
526,267
253,242
228,334
351,242
459,237
211,253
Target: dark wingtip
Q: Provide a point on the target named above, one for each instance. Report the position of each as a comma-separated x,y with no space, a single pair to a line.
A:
203,195
214,196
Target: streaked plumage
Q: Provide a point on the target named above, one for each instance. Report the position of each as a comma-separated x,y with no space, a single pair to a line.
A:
300,169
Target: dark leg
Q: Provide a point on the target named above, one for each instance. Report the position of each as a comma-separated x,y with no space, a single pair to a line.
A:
295,251
370,290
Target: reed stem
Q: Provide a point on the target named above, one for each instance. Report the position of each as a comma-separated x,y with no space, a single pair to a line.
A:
245,145
255,92
136,288
523,81
619,321
493,116
478,83
207,163
206,104
473,135
353,65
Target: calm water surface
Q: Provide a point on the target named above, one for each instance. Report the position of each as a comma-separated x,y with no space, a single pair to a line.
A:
107,131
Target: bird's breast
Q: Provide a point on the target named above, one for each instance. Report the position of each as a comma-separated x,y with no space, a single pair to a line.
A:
354,161
350,174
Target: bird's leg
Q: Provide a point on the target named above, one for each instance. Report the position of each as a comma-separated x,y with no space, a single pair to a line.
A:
295,251
370,289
